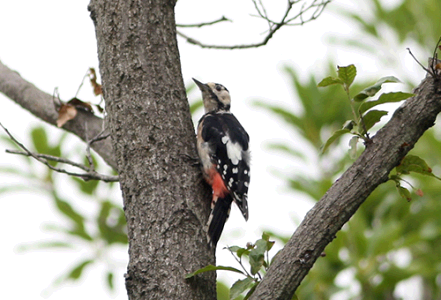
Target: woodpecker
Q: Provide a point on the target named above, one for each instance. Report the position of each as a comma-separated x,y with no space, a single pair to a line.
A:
222,145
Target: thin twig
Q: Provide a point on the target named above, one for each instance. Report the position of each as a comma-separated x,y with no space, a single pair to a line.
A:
425,69
88,155
319,8
198,25
274,26
49,157
434,61
44,159
81,84
98,137
239,261
56,96
262,13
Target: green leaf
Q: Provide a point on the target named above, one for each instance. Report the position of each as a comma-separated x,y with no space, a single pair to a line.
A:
251,291
195,106
284,239
18,172
353,147
413,163
66,209
234,248
223,291
349,125
286,149
81,233
44,245
190,87
243,251
384,98
289,117
330,81
213,268
39,139
371,118
347,74
87,187
109,280
240,286
372,90
15,188
404,193
257,256
7,140
76,272
114,233
269,244
333,137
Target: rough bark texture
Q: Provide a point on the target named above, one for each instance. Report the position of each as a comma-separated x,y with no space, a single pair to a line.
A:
336,207
152,133
42,106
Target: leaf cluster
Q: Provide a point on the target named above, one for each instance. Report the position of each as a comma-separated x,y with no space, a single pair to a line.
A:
257,257
364,117
388,240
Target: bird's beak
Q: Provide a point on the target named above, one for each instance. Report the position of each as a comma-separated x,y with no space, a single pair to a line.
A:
202,86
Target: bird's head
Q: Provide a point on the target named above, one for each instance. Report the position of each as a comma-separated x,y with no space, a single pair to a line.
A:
215,96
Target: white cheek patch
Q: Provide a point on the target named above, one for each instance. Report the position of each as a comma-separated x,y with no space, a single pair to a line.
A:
234,152
225,139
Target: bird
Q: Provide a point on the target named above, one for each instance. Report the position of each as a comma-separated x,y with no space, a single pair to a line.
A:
223,149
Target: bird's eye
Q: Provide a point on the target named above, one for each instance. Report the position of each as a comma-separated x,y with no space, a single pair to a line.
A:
218,88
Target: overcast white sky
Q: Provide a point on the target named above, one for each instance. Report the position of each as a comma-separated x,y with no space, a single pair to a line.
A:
52,44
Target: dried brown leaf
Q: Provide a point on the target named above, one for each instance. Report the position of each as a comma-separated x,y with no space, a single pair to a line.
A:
97,88
99,108
65,113
80,104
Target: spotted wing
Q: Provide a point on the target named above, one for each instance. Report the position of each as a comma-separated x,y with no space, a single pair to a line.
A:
228,142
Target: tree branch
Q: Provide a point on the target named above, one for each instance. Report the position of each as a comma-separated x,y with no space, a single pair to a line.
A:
90,174
41,105
325,219
318,5
198,25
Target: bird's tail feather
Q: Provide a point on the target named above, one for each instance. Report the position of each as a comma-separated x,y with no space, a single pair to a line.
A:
218,217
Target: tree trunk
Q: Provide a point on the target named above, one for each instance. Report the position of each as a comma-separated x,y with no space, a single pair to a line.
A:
165,201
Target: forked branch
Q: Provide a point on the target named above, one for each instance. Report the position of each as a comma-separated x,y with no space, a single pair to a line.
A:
321,224
311,9
89,172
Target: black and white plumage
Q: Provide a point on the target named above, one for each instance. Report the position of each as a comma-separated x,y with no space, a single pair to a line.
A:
223,147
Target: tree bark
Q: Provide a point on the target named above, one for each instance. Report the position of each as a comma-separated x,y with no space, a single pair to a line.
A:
318,229
165,200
